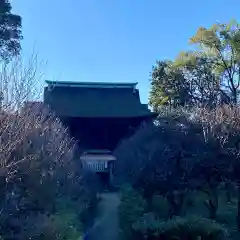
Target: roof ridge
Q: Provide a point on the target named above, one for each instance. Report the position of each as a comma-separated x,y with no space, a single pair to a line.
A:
92,84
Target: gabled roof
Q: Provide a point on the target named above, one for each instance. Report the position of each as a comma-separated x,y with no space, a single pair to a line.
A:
92,100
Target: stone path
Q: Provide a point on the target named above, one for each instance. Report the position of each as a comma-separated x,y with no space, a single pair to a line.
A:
106,224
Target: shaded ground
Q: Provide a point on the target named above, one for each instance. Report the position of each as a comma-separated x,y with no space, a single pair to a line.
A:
106,224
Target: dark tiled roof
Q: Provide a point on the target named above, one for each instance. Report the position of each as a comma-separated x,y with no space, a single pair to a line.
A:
95,102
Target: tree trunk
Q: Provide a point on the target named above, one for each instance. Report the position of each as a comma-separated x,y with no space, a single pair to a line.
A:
212,203
213,208
228,189
234,96
176,201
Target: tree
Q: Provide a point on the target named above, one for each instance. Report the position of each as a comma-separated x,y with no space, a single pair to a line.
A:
206,77
164,155
198,72
168,86
221,43
222,126
10,31
37,151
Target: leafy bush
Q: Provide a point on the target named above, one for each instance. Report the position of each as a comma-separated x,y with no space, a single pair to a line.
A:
131,208
161,158
160,206
189,227
57,226
182,152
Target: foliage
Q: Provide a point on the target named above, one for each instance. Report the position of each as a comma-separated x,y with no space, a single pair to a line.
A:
199,73
40,154
195,148
185,151
42,157
160,206
222,124
10,31
164,154
40,180
168,86
189,227
207,76
130,210
222,43
55,226
165,158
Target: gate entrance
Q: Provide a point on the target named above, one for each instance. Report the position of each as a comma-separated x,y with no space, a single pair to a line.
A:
101,162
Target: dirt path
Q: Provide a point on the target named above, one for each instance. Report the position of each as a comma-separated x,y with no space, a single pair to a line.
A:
106,225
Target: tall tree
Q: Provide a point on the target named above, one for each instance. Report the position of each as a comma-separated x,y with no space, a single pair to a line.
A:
199,73
10,31
168,86
221,43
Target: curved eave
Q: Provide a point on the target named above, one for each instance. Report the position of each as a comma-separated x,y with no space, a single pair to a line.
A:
141,116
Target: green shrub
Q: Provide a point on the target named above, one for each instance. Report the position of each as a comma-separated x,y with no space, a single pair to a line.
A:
131,208
189,227
160,206
58,226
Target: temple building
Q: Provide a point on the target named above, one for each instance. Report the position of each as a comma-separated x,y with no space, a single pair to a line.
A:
98,115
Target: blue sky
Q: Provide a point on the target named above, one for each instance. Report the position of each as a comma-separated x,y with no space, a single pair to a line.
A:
113,40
